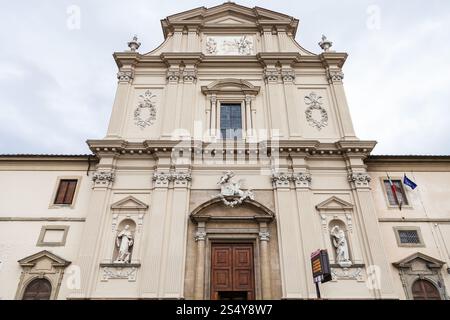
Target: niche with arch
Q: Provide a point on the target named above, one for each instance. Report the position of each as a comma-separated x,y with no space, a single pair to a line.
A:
124,241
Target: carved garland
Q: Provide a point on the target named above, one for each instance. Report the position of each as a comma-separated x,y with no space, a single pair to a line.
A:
145,103
315,103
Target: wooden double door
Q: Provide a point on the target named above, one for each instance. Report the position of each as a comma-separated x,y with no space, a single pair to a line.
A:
232,271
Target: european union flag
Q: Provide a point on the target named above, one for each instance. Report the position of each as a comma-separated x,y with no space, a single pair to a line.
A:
409,183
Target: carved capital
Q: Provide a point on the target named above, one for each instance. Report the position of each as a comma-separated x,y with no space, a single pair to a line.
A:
281,180
335,76
288,75
125,76
264,236
173,76
161,179
190,75
200,236
302,180
271,74
181,178
103,178
359,179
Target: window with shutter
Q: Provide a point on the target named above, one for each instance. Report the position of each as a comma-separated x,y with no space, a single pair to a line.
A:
400,192
230,121
66,191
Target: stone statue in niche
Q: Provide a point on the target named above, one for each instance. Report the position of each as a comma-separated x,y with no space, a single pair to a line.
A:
341,246
124,241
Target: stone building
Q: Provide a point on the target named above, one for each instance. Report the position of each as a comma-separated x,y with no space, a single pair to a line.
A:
230,157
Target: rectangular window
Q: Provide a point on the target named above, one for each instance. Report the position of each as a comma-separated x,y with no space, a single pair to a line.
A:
66,191
230,121
400,192
408,236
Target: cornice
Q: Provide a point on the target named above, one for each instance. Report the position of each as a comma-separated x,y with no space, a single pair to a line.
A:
331,59
360,149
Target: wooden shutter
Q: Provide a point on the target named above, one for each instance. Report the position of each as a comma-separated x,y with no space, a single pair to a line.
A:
66,191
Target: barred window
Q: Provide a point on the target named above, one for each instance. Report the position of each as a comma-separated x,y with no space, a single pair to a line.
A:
400,192
409,236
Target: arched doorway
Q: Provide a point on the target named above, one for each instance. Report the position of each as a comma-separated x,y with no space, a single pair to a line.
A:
235,253
38,289
425,290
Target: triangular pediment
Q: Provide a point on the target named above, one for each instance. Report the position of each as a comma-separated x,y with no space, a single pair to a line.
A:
130,203
419,257
55,260
334,203
229,14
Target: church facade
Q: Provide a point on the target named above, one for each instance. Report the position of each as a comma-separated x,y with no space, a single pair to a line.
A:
230,158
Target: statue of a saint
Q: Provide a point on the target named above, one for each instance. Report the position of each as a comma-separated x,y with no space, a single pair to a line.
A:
124,241
341,246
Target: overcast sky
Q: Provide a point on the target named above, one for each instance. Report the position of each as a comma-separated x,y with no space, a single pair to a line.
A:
57,81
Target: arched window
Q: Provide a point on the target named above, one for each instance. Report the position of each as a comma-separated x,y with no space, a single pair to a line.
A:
425,290
38,289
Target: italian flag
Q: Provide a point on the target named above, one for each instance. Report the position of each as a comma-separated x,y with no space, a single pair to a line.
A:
394,192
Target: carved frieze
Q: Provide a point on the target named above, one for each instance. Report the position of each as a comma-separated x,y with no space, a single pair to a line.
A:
230,45
347,274
128,272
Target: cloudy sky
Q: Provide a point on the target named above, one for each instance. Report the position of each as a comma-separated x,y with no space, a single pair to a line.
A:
57,77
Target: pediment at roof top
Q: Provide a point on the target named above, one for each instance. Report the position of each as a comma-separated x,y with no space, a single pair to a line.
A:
228,14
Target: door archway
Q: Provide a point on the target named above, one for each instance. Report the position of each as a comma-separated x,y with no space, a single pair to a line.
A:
38,289
425,290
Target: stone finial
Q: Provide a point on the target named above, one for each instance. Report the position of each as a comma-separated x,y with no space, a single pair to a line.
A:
325,44
134,44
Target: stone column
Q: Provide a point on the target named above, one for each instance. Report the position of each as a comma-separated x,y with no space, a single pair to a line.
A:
173,270
152,284
248,117
276,117
119,110
288,77
308,219
367,220
97,215
168,120
213,115
333,62
290,242
186,108
200,238
264,237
